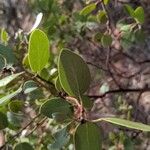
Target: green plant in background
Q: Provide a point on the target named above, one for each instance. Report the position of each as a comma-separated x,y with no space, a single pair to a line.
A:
64,78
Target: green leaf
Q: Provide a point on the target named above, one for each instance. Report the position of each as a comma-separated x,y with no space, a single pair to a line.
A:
73,73
3,121
97,37
106,1
106,40
23,146
126,123
56,105
4,36
29,86
139,15
8,79
102,17
8,54
125,27
88,9
87,137
16,106
7,98
61,139
129,10
38,50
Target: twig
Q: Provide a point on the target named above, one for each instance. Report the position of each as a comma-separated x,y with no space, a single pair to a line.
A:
18,133
37,125
120,91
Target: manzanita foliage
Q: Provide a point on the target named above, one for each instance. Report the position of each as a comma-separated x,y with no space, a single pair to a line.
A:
65,80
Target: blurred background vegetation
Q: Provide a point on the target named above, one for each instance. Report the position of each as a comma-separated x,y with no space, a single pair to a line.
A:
66,28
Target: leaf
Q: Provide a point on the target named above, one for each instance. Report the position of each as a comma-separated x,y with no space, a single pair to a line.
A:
16,106
73,73
139,15
124,27
6,98
88,9
3,121
23,146
56,105
38,50
106,1
8,54
4,36
8,79
29,86
102,17
36,94
129,10
126,123
61,139
106,40
87,137
97,37
37,22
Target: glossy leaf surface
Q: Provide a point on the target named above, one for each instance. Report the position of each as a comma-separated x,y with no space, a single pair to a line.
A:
73,73
38,50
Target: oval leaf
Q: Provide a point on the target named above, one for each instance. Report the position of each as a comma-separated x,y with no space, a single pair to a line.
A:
29,87
102,17
3,121
87,137
106,40
129,10
88,9
23,146
38,50
139,15
126,123
16,106
55,105
73,73
8,79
